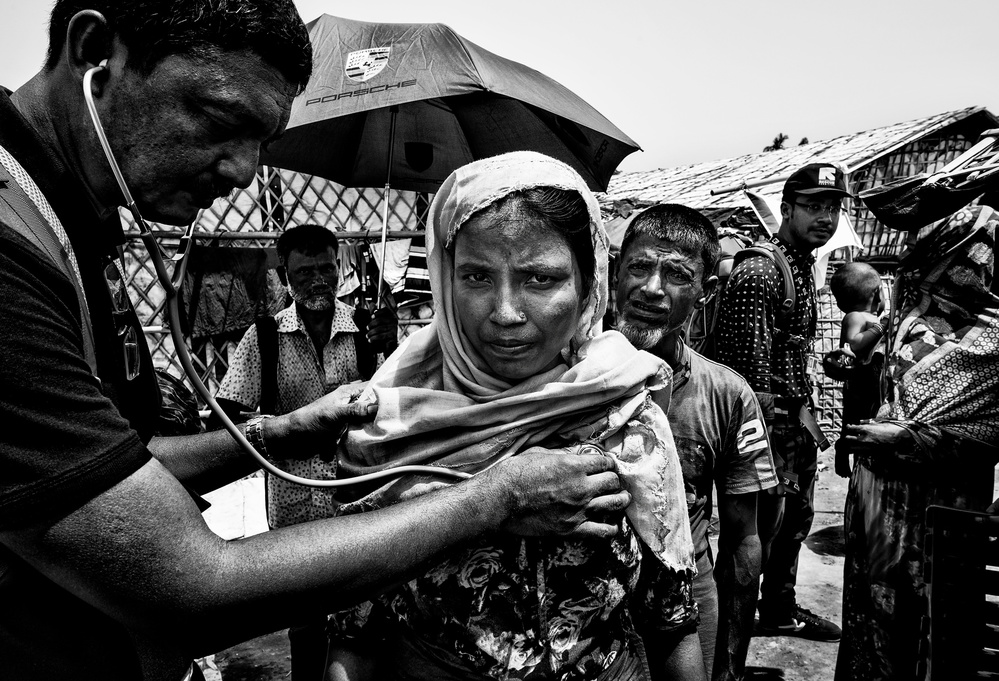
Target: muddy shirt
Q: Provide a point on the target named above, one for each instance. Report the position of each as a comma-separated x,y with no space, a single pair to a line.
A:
720,439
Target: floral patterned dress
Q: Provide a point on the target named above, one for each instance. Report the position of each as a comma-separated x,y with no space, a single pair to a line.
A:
519,608
945,373
514,608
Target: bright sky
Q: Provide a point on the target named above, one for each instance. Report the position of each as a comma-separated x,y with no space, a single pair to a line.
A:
695,80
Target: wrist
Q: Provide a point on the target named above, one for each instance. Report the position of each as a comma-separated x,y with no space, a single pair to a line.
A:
253,430
276,428
878,329
275,431
494,501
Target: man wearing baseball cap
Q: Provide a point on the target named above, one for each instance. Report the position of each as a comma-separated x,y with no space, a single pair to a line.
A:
770,349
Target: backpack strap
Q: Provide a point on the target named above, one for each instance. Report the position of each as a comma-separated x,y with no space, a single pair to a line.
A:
788,277
21,214
267,342
776,255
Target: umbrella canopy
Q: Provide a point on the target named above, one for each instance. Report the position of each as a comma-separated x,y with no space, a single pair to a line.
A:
431,101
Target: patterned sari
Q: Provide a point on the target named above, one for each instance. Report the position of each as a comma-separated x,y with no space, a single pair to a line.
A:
944,367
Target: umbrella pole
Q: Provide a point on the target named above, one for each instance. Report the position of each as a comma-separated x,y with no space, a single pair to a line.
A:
394,110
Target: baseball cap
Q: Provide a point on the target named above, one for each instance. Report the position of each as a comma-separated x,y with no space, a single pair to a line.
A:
817,178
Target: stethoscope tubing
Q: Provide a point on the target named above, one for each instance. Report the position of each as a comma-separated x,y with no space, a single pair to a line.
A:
171,285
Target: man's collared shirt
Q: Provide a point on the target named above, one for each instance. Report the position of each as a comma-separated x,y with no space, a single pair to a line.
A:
302,379
772,360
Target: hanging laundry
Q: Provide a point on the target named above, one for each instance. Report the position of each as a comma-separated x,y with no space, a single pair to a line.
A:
227,288
350,258
396,261
416,290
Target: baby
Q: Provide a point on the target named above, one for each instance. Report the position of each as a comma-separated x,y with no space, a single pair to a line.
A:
856,286
857,289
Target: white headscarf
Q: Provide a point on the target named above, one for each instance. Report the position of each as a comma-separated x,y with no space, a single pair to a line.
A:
474,188
438,405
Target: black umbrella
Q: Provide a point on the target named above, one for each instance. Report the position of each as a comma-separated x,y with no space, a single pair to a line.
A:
403,105
431,101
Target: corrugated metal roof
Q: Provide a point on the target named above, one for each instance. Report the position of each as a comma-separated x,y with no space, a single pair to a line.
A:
691,185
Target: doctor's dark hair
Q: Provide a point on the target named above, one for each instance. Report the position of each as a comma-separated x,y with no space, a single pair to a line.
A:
680,225
308,239
155,29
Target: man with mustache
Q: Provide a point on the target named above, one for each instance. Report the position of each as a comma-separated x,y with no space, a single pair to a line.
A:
108,570
666,271
316,347
773,357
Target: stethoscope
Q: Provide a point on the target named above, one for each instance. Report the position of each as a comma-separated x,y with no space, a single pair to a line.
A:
171,285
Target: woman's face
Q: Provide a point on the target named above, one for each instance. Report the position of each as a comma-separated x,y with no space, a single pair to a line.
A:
517,290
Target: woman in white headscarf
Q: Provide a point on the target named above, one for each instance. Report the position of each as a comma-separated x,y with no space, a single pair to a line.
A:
515,358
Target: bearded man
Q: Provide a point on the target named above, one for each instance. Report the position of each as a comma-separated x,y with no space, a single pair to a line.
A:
318,347
109,571
666,271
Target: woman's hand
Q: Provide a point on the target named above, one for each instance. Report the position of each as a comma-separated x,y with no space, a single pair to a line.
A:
555,492
870,437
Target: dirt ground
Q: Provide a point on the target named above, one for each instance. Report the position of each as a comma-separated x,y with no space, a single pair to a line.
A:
819,588
820,577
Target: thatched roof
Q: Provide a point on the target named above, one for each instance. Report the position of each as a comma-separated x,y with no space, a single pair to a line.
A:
691,185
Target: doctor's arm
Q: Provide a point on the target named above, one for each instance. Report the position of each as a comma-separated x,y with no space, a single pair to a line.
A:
206,461
142,553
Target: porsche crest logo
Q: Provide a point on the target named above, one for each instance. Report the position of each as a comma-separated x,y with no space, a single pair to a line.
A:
364,65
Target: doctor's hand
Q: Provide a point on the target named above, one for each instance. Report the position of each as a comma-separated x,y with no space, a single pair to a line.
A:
562,492
317,427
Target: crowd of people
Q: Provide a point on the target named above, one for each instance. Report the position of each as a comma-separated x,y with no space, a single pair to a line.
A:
594,461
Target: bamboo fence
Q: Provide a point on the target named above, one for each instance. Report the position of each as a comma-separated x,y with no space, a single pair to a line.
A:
255,217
